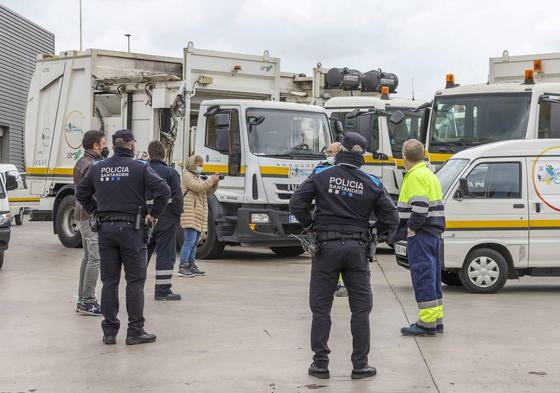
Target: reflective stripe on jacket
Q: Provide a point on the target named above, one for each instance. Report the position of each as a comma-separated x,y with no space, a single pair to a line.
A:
420,202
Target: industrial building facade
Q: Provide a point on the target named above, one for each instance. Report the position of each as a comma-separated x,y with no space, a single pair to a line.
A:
20,42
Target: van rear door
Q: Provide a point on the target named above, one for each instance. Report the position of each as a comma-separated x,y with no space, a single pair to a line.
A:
544,208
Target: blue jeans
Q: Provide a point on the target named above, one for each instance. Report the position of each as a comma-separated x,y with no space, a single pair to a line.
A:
188,251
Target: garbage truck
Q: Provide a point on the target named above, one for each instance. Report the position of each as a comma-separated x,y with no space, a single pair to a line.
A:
520,100
226,107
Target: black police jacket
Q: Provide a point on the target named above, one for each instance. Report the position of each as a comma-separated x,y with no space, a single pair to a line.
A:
171,177
346,199
120,185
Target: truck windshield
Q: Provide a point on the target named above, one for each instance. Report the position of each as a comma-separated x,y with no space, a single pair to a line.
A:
289,134
449,172
459,122
409,128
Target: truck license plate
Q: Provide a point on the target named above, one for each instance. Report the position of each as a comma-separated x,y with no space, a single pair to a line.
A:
292,219
400,250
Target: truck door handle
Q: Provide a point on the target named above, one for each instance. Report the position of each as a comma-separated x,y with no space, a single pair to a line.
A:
538,207
518,205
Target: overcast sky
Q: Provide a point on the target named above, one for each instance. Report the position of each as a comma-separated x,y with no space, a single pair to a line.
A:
416,39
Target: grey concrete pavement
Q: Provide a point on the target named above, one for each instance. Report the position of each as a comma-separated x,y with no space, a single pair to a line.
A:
245,328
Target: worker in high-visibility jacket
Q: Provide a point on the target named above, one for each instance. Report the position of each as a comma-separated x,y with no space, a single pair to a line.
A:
422,222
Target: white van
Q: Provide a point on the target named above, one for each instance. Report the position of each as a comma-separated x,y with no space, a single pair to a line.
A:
502,207
7,182
21,202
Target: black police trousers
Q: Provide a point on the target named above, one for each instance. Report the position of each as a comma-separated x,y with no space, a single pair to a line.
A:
164,243
348,257
121,245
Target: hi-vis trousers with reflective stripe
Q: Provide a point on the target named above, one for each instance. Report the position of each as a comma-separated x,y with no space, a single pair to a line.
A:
164,243
425,269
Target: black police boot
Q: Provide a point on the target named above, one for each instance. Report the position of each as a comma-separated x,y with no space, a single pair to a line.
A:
144,338
318,372
362,373
440,329
110,340
166,296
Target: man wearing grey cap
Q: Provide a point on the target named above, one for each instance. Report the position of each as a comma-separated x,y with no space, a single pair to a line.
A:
346,198
120,185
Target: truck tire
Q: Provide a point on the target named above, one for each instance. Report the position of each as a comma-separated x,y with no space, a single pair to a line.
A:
66,227
19,218
484,271
1,259
209,247
451,279
288,251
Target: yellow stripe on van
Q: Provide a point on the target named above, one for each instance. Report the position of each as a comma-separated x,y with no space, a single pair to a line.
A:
501,224
485,224
41,171
24,199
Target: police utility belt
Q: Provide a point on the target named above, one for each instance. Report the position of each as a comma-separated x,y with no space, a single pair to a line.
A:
329,236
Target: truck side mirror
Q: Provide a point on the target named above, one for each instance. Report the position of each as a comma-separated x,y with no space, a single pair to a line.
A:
338,127
222,123
424,124
463,189
396,118
11,182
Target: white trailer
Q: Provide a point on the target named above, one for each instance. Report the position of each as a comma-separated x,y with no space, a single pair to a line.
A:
269,146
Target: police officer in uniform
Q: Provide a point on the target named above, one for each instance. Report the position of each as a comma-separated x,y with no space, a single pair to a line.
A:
120,185
346,198
164,241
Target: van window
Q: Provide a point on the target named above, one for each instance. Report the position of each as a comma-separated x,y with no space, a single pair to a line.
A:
495,180
219,139
549,120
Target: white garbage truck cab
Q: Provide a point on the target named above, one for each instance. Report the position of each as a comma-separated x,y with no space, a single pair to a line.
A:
502,210
521,100
369,116
265,150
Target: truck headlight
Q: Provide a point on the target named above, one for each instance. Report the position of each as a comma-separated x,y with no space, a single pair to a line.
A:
5,218
260,218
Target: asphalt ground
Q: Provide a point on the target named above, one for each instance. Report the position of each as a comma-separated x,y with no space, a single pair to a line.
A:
245,328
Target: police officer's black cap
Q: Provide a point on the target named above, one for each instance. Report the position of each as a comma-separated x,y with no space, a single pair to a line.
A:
125,135
351,139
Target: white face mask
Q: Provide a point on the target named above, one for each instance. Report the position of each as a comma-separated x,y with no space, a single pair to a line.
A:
198,170
330,160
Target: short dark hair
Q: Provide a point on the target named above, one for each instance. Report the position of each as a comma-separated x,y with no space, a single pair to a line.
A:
156,149
92,137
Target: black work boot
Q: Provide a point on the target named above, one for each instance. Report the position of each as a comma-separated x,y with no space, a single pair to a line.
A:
144,338
361,373
110,340
168,295
318,372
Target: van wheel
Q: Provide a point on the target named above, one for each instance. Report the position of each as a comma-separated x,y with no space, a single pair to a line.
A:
66,226
451,279
484,271
209,247
1,259
288,251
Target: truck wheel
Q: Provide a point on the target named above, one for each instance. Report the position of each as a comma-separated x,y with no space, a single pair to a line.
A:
485,271
19,218
451,279
1,259
287,251
66,227
209,247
